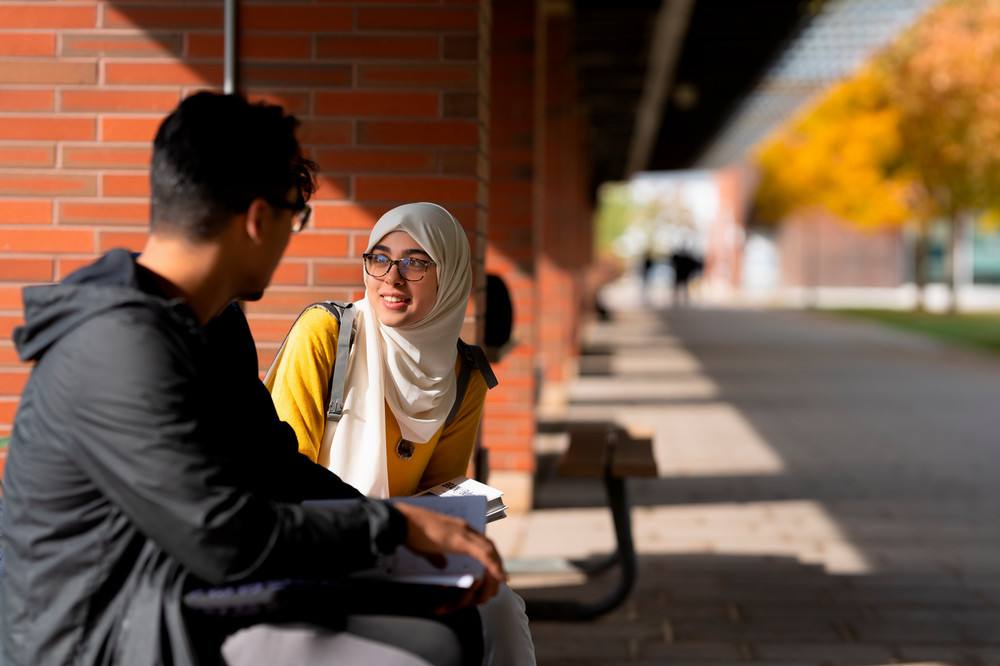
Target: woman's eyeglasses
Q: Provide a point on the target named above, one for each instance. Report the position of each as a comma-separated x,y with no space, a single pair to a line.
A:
411,270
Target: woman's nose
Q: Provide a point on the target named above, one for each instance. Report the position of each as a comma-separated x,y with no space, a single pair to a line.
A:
392,278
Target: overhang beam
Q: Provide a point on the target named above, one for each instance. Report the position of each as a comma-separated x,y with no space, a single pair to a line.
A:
672,22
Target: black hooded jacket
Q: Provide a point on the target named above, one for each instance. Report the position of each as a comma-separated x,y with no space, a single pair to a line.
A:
146,457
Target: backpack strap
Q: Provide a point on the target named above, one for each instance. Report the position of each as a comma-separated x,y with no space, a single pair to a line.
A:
344,313
333,307
472,356
477,357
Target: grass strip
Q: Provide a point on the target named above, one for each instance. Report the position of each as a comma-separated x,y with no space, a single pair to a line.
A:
977,330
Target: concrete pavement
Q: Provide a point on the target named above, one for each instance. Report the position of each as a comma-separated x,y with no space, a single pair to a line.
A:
828,494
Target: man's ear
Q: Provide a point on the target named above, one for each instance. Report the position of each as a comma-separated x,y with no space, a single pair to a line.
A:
255,217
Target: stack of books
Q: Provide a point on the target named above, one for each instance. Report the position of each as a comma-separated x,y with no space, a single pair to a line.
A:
463,486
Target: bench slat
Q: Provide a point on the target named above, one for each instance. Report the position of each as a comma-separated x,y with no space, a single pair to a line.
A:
634,457
588,448
585,456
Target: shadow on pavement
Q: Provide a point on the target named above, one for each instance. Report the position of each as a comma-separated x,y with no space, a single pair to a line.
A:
827,494
718,609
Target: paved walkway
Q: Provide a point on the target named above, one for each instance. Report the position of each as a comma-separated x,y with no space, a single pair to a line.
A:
829,493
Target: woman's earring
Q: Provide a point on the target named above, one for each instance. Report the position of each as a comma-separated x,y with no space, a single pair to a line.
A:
404,449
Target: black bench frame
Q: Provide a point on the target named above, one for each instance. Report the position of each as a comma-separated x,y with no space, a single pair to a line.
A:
618,456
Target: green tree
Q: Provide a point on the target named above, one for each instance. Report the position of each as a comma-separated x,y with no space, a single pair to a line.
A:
614,213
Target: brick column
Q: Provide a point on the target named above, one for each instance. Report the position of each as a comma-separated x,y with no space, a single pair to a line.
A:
564,230
727,232
509,425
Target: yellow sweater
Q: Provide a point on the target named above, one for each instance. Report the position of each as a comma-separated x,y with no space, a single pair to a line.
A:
299,389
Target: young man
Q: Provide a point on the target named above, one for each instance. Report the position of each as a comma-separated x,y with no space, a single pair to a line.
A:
134,474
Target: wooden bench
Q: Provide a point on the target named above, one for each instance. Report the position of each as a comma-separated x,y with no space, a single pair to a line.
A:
614,454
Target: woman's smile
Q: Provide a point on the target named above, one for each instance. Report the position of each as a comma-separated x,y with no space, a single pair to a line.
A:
394,301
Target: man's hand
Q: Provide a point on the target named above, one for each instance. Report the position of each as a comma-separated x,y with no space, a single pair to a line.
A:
435,535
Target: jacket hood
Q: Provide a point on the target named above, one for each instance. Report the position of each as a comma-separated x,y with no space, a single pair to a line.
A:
52,311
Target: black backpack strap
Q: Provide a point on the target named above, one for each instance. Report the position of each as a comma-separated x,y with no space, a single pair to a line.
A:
344,312
472,357
477,356
461,384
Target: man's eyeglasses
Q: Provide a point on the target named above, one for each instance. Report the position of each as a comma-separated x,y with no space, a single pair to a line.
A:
411,270
302,213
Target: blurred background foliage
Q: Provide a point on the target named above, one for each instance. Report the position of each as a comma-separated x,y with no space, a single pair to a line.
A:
911,139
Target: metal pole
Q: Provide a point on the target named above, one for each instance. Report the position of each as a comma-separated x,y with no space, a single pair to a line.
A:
229,30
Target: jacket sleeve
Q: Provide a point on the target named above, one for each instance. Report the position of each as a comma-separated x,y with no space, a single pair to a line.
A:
301,379
270,455
140,424
264,446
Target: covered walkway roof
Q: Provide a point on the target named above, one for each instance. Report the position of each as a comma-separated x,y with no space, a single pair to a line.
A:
677,84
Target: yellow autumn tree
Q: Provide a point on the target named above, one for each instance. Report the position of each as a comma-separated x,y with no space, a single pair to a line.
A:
944,77
914,136
843,154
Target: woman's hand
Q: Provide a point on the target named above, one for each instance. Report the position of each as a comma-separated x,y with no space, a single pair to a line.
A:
435,535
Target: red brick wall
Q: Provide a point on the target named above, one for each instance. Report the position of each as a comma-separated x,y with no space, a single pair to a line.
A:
509,427
816,249
74,145
723,258
564,230
393,100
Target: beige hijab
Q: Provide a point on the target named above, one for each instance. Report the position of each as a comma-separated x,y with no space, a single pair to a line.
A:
411,369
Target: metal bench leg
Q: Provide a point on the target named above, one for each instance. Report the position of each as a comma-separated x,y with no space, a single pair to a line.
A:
599,566
618,500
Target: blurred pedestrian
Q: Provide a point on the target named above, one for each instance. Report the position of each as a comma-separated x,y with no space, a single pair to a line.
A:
685,265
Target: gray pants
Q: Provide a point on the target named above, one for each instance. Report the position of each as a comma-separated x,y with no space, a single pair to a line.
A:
378,640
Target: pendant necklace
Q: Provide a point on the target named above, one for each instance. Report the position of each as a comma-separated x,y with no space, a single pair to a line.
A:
404,449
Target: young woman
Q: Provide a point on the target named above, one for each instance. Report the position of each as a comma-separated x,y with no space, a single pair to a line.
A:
401,382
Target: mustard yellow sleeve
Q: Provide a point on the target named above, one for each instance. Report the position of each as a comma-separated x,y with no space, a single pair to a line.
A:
299,384
454,449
